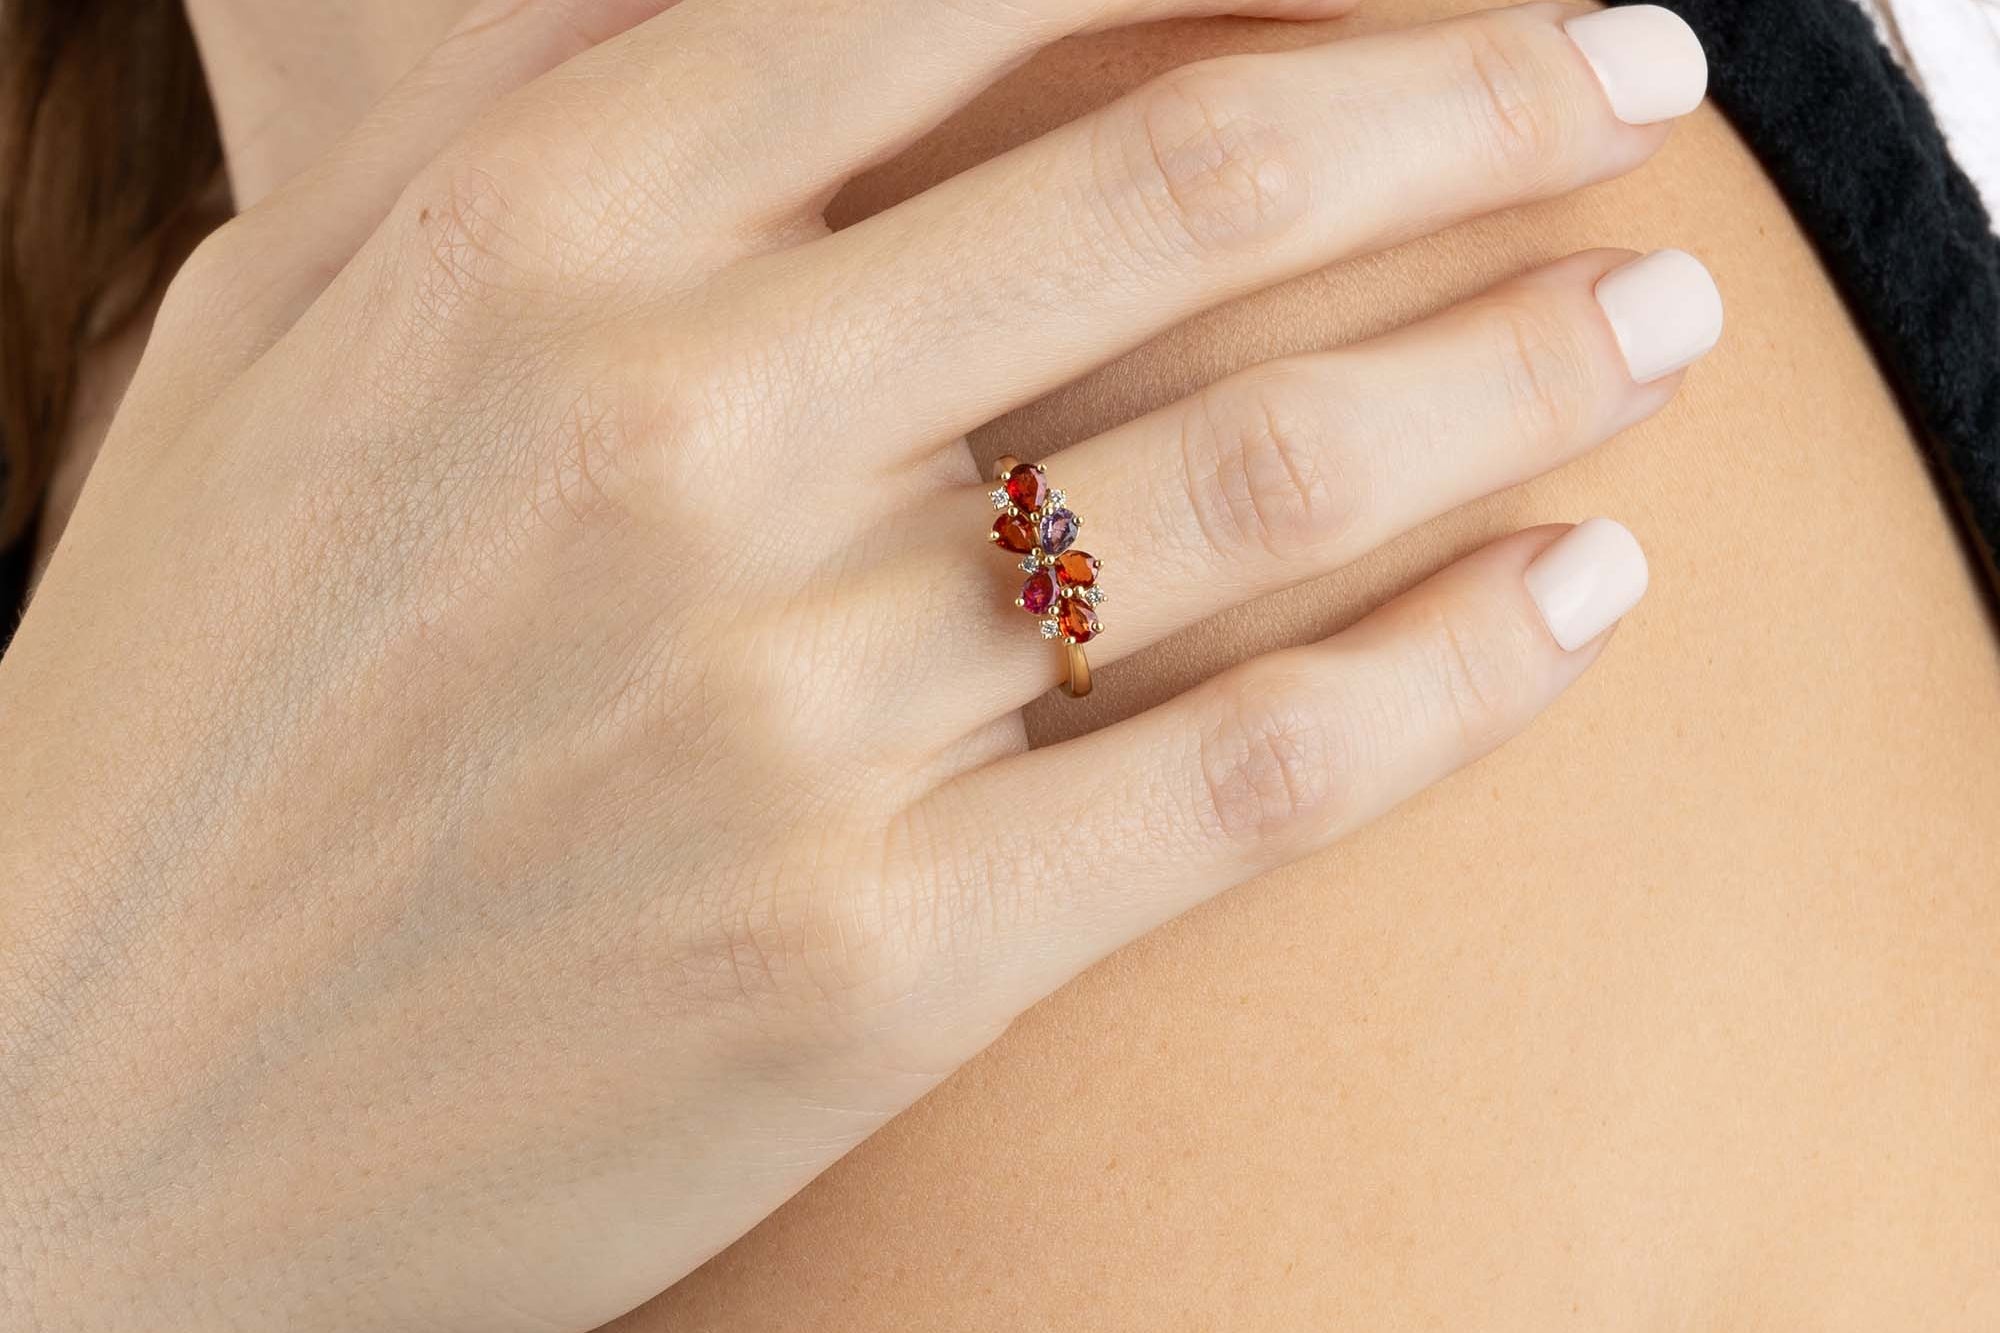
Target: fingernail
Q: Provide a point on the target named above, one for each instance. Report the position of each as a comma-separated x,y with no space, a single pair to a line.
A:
1664,310
1587,580
1648,59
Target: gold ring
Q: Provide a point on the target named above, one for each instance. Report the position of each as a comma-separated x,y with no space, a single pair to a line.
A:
1036,525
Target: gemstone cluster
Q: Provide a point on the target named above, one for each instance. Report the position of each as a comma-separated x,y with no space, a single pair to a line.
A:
1036,524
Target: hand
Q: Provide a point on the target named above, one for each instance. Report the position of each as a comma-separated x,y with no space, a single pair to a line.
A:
516,766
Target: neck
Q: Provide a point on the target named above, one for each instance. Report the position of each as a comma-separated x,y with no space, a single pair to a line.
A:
289,77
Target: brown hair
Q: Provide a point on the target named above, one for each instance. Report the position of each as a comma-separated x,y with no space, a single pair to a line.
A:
106,136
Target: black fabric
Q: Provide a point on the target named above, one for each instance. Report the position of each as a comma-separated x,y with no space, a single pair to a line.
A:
1852,145
13,580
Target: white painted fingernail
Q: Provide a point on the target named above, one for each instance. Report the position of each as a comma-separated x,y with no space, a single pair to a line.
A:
1648,59
1587,580
1665,311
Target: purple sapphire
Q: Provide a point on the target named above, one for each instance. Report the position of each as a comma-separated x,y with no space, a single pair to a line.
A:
1058,531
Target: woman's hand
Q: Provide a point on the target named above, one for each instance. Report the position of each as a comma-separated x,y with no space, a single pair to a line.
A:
515,765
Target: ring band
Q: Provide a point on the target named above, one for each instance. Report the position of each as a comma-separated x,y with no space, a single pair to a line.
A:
1036,524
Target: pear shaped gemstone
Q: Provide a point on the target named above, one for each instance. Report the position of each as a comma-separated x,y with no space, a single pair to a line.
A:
1039,593
1058,531
1078,620
1077,569
1014,532
1027,487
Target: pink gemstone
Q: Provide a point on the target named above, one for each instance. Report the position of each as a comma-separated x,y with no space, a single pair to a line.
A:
1039,593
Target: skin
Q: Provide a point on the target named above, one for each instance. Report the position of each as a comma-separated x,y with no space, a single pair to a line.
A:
556,835
1525,1051
1678,1012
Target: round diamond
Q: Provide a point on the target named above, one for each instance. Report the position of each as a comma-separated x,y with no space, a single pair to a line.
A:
998,495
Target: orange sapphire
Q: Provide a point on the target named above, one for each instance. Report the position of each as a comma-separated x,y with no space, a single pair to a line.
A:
1077,569
1014,532
1077,620
1027,487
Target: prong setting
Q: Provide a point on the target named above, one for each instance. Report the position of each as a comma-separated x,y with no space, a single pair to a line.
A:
1037,525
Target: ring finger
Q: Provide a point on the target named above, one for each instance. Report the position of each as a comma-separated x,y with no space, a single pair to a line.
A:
1293,468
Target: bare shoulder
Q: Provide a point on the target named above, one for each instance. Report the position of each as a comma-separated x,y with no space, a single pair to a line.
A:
1678,1012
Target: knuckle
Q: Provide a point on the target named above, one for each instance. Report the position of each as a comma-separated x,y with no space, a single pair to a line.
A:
640,413
206,288
1261,475
1542,368
1273,768
787,679
473,240
630,432
1511,94
1202,170
606,452
209,266
1473,672
827,950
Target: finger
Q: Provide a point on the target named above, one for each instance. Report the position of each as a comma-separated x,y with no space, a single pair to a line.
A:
251,281
1263,765
724,127
1294,468
1225,176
